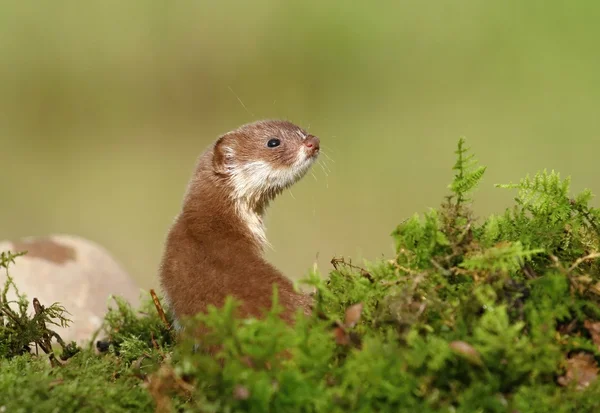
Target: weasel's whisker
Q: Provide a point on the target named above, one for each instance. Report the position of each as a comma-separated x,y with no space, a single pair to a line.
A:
327,156
240,100
323,168
329,148
326,171
324,164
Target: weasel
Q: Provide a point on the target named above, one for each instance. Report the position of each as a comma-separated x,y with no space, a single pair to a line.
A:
214,248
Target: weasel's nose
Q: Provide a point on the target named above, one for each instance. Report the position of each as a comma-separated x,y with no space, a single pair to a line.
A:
312,143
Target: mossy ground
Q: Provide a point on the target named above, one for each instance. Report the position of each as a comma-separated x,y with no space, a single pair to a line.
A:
500,315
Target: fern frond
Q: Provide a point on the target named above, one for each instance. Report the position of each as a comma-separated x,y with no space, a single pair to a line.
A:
505,257
544,191
7,258
468,174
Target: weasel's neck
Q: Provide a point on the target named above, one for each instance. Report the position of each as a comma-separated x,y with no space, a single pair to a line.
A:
252,217
208,196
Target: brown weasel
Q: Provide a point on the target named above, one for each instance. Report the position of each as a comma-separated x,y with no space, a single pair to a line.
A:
214,248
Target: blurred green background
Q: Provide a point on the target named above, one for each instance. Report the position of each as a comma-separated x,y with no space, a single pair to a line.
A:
105,105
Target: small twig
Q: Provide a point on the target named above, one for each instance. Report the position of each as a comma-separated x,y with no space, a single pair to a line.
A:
335,261
529,272
68,350
39,310
390,283
8,312
421,309
464,233
45,343
341,261
154,343
407,270
581,260
58,338
159,309
439,267
137,367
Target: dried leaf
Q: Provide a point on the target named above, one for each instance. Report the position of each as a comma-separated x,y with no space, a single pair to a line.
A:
595,288
353,315
594,329
466,351
341,336
567,328
581,283
581,368
247,361
241,392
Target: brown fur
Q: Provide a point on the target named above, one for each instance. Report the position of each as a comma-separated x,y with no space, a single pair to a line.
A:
210,252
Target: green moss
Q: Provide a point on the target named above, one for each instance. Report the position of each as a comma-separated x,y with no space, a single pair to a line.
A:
88,383
468,316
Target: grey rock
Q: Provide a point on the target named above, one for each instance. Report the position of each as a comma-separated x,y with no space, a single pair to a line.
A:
73,271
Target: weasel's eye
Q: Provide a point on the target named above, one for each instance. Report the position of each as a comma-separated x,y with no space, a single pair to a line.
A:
273,143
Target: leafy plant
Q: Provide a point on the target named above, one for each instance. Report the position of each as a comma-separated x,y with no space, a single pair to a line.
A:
20,330
498,315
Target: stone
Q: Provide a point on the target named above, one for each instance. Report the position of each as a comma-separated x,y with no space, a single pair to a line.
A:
73,271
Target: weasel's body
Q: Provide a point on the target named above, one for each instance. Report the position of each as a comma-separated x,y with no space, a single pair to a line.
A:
214,248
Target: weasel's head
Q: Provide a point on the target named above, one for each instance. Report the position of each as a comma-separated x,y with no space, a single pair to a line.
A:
261,159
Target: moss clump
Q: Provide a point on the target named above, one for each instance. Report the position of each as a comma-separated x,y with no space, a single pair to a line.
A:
500,315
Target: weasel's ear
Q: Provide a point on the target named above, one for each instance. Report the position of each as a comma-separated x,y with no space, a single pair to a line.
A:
222,155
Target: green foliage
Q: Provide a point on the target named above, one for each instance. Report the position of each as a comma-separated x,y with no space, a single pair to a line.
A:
468,174
504,257
20,330
88,383
130,332
81,381
545,216
423,238
495,316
